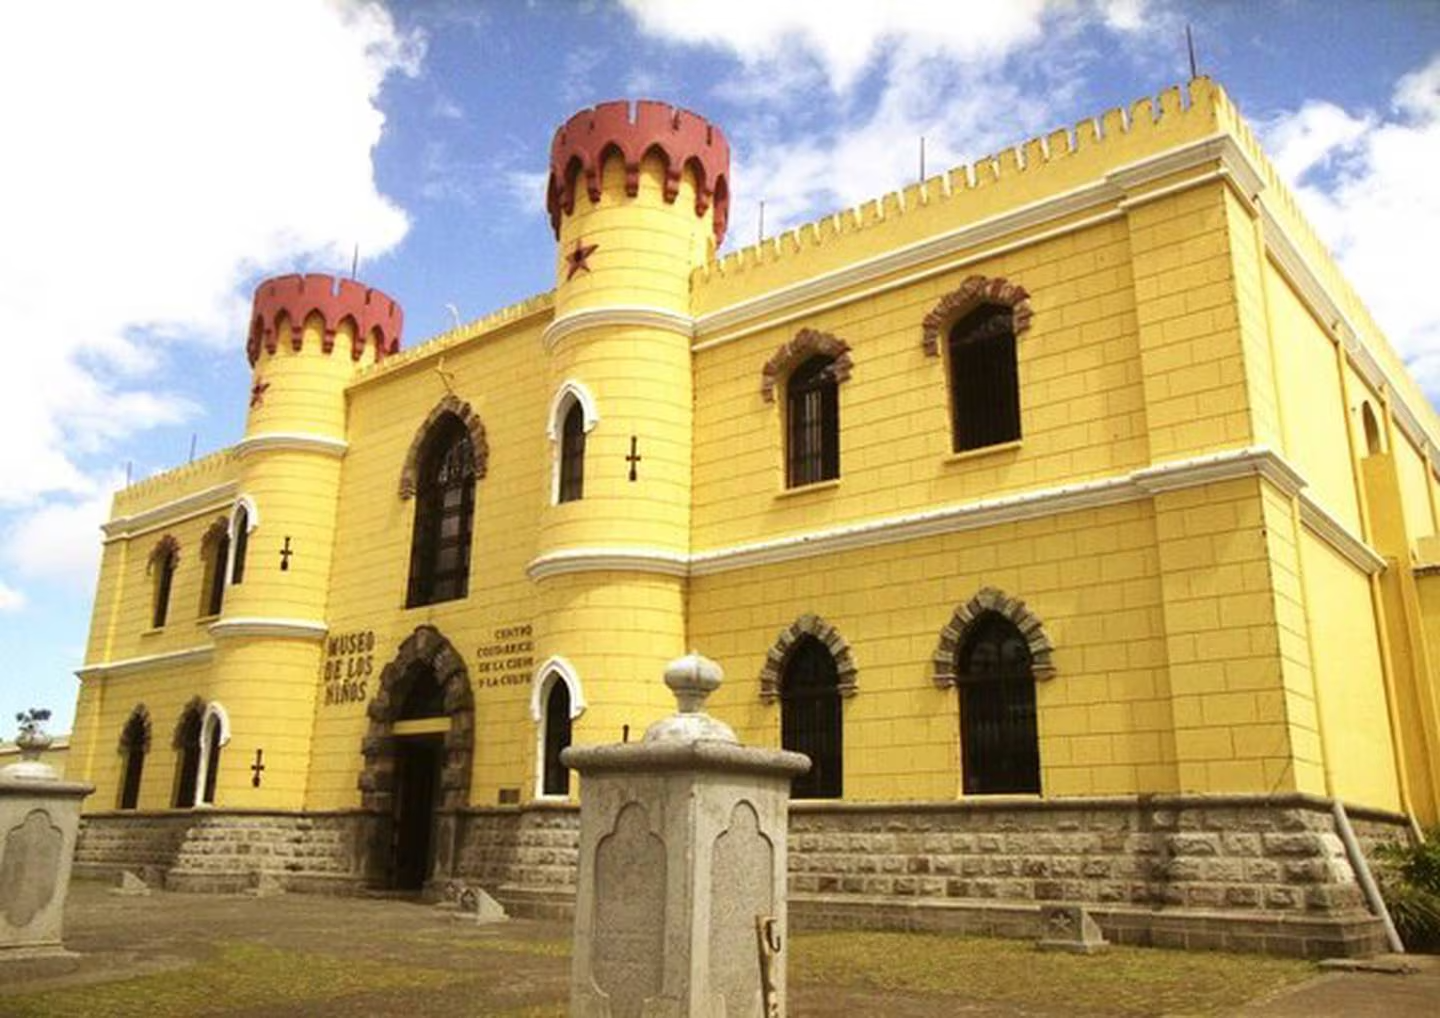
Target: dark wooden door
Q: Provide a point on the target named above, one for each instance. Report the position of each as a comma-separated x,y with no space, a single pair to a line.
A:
417,785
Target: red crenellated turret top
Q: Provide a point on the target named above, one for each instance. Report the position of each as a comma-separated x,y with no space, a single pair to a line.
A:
376,317
681,137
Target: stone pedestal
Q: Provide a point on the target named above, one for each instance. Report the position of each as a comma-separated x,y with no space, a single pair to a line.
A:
39,817
680,901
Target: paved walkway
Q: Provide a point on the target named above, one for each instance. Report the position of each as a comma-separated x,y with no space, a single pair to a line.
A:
293,955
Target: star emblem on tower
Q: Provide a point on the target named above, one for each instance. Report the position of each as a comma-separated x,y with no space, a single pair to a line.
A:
257,392
579,258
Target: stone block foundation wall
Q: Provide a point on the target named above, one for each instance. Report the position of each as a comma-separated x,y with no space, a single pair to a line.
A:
1249,873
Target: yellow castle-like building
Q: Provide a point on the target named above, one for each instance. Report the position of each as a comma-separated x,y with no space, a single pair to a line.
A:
1068,509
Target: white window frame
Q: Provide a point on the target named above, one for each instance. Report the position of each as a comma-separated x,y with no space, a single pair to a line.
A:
552,670
215,714
569,392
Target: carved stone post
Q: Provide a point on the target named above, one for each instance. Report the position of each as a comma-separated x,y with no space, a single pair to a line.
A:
39,818
682,850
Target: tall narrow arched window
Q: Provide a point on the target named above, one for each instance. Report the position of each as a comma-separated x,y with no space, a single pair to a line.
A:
163,562
444,514
810,719
556,778
812,425
214,734
187,752
215,550
999,741
134,744
240,529
984,380
572,455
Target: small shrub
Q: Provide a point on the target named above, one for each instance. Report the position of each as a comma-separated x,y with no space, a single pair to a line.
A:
1409,877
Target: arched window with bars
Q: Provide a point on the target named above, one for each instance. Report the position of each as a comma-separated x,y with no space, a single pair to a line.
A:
134,745
999,741
984,380
810,718
444,514
215,551
164,560
188,735
812,425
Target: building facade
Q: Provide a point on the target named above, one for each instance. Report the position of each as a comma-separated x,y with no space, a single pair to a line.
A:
1068,509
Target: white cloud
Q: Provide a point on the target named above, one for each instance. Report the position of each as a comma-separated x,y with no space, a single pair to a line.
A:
898,71
60,540
1367,181
10,599
845,38
171,150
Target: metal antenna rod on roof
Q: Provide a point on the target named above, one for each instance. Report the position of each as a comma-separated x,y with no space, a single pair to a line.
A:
355,261
1190,45
192,447
922,158
761,231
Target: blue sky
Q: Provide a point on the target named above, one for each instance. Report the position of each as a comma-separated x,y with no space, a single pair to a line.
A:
172,154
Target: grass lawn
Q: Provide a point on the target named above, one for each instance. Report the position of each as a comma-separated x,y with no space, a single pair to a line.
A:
932,973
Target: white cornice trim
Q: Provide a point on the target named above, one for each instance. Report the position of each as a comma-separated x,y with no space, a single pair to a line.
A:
303,629
291,441
1338,536
594,560
990,512
1221,466
135,664
617,314
177,510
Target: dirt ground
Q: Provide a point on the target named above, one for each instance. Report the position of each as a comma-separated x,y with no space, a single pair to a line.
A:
290,955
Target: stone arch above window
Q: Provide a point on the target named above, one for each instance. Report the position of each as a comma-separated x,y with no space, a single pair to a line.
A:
167,548
973,291
952,637
425,647
808,625
409,476
806,344
137,730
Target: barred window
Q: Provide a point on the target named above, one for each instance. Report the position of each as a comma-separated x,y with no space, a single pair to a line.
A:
999,741
216,550
163,562
812,400
134,744
187,747
444,515
810,719
984,383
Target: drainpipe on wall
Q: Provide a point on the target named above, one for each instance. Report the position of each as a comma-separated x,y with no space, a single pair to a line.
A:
1363,874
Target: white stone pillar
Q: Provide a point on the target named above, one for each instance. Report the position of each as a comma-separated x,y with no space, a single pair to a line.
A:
39,818
682,851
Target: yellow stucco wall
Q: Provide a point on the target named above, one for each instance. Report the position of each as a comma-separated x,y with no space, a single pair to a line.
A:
1182,513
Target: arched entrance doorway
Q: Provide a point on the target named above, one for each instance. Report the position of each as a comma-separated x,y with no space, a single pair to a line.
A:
417,752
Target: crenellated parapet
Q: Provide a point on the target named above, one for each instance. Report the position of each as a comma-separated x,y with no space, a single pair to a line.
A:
373,316
681,138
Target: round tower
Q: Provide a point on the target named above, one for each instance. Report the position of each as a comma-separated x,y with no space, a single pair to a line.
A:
638,197
309,336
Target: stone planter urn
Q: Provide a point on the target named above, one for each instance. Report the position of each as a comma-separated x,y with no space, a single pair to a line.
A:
39,818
